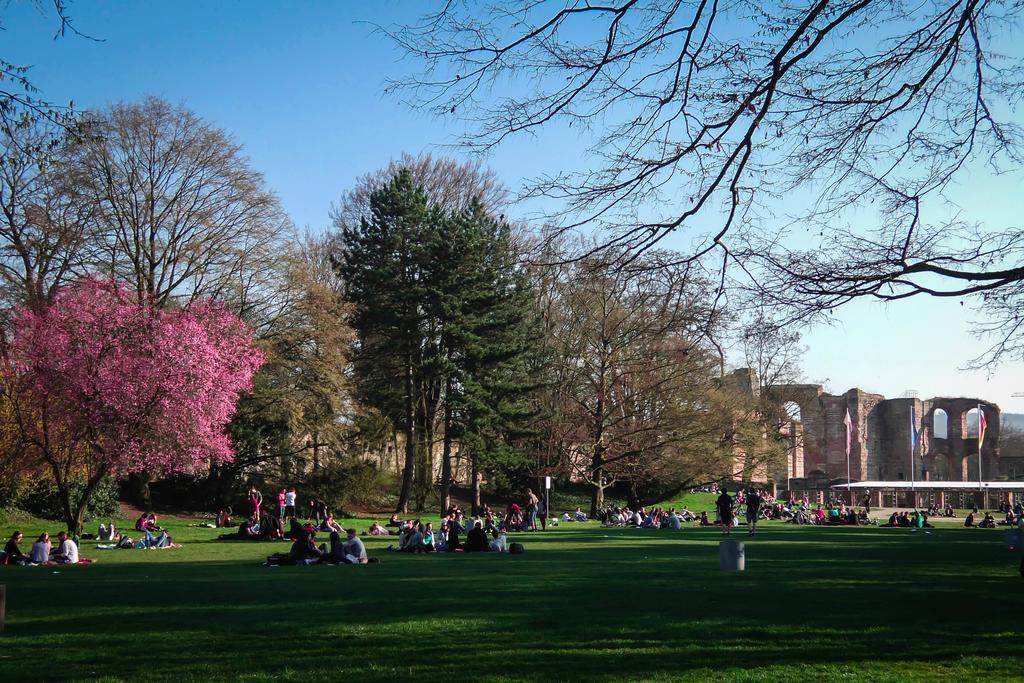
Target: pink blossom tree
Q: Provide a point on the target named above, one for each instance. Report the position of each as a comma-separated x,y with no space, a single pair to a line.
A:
102,384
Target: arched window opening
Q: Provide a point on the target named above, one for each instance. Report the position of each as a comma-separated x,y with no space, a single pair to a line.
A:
970,425
940,424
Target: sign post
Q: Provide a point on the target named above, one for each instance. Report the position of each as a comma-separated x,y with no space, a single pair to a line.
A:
547,496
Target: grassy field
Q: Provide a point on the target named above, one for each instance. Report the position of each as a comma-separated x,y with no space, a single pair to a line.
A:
583,603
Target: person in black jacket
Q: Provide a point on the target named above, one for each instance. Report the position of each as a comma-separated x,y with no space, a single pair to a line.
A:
476,539
12,553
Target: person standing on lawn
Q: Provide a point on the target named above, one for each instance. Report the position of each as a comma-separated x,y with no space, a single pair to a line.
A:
724,505
753,510
281,496
255,502
289,503
531,510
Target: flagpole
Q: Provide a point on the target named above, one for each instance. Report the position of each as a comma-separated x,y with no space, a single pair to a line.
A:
913,439
981,437
849,431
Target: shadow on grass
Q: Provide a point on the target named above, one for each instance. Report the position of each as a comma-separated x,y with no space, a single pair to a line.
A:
588,604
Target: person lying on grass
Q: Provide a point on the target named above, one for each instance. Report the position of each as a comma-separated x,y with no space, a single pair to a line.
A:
377,530
499,542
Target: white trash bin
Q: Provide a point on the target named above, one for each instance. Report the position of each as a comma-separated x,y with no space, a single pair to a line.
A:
731,556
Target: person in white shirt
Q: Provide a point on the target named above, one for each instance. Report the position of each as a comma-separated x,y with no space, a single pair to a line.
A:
67,551
674,522
499,543
289,503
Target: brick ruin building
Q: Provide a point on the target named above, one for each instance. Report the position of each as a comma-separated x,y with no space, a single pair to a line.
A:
946,447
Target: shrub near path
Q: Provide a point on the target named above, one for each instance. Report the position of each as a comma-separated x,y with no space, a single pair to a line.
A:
583,603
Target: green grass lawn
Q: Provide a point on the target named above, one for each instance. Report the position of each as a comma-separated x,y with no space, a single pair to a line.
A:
583,603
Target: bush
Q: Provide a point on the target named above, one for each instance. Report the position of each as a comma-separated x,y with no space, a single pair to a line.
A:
41,498
343,482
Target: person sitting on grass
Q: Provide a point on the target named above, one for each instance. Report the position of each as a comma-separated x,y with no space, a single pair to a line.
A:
411,540
674,522
67,550
429,540
969,520
394,521
12,553
704,521
271,529
451,536
107,533
989,522
476,539
305,550
579,515
41,549
330,525
223,518
354,552
499,542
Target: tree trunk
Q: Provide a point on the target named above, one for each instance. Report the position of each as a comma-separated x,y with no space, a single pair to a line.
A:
446,454
75,521
596,499
477,503
410,442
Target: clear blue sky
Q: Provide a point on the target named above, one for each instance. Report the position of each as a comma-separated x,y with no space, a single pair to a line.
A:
300,86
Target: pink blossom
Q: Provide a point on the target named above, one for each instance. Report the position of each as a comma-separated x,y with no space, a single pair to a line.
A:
128,387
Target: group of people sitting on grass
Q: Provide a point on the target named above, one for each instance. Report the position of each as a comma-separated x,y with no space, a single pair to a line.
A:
655,518
305,550
935,511
987,522
483,533
42,551
918,519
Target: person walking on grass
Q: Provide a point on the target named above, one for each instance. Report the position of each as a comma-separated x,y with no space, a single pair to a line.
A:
724,506
753,511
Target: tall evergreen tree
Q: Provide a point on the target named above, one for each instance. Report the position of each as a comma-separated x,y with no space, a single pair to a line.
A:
382,262
484,304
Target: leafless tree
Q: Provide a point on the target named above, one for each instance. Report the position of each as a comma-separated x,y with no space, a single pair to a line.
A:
758,132
449,183
178,212
42,227
634,374
20,101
